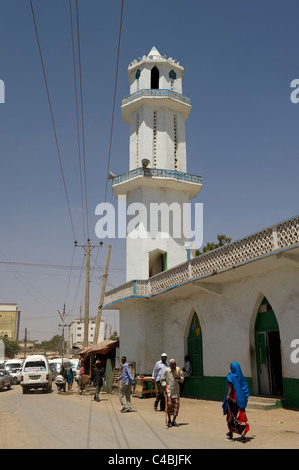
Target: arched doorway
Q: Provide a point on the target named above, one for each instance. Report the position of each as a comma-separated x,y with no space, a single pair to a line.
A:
268,355
195,347
154,78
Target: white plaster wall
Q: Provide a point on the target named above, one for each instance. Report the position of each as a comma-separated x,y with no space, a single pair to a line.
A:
138,249
142,336
164,139
227,322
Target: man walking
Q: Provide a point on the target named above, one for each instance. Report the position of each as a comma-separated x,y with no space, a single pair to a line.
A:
170,381
97,379
159,368
125,389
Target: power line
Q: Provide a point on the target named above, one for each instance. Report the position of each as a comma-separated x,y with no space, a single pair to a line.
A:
19,278
114,97
77,114
82,115
52,118
113,109
60,266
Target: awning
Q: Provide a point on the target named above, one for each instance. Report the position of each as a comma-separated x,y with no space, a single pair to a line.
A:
101,348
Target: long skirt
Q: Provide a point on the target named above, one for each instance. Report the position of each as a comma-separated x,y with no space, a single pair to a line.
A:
173,406
236,419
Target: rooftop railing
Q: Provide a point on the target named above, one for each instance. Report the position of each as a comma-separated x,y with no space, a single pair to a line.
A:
271,239
159,93
158,173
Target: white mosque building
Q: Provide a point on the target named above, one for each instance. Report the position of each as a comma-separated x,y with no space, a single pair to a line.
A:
239,302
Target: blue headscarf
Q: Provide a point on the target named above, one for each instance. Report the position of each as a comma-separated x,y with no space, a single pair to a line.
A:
236,378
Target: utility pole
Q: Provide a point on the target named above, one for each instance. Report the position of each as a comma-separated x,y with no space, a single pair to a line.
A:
87,248
25,342
62,316
99,315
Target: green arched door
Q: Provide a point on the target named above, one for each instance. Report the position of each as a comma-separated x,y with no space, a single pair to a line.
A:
195,347
268,351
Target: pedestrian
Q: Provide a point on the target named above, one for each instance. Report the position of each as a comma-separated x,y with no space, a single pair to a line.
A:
159,368
70,379
235,402
170,380
97,378
125,389
187,372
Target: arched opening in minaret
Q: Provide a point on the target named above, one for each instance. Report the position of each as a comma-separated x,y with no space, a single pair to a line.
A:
154,78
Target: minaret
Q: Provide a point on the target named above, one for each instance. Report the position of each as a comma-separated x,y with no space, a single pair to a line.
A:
156,111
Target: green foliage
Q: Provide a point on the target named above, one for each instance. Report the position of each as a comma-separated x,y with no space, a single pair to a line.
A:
54,344
11,347
114,336
222,241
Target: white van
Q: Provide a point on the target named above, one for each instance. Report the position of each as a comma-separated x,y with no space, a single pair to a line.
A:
14,367
36,373
56,365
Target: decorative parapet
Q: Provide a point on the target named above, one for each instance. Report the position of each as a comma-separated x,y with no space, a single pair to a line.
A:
159,93
158,173
265,242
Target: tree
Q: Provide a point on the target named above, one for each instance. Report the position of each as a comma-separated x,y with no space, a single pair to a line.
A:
11,348
222,241
114,336
52,345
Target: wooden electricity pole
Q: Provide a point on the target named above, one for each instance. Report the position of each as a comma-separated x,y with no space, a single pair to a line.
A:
62,316
87,248
99,315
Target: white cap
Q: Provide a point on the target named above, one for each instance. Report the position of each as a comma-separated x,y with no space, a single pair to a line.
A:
164,354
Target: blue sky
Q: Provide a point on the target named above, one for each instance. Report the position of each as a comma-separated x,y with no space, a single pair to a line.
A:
242,133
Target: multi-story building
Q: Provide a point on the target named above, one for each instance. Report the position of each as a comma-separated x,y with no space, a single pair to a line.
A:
9,321
76,332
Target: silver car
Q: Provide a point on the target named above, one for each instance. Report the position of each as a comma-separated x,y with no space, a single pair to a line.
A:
5,380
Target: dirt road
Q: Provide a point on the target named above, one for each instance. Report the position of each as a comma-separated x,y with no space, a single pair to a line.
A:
71,421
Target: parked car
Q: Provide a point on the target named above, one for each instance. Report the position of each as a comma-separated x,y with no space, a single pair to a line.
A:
14,367
5,380
36,374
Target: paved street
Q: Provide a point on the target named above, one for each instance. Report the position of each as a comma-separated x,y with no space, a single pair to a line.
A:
70,421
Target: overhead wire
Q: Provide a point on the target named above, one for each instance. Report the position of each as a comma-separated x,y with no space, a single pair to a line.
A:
113,108
59,266
52,119
82,116
56,137
77,115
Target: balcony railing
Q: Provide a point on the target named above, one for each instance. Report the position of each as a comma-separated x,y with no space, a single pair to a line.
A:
271,239
158,173
159,93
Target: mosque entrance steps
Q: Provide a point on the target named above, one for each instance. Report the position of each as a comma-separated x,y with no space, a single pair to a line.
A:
264,403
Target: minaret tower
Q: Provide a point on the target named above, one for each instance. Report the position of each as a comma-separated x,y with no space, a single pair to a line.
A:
156,111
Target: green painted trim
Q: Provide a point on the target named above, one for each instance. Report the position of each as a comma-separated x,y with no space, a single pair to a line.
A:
291,392
209,388
213,388
266,321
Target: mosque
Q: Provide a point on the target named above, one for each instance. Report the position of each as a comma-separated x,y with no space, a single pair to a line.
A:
239,302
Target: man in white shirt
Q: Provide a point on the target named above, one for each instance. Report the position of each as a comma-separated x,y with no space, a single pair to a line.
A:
170,380
159,368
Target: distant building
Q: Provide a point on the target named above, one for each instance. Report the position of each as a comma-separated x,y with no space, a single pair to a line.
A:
27,347
9,321
76,332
